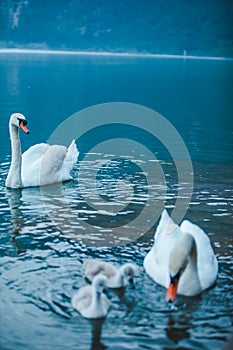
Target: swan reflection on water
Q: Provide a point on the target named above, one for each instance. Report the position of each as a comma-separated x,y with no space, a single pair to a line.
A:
18,199
14,199
96,332
180,322
49,204
23,204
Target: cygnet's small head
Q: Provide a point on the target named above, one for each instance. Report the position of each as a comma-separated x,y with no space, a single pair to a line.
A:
128,270
100,283
19,120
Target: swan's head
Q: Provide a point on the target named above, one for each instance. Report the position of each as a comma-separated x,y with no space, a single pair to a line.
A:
19,120
100,283
179,259
128,271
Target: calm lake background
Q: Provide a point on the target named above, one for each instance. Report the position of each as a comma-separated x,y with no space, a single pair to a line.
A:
41,268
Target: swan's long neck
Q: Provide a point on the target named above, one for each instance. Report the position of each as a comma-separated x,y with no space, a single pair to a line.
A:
96,303
14,179
185,257
191,271
119,278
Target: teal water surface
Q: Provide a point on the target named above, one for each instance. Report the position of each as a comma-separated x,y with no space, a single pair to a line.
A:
41,267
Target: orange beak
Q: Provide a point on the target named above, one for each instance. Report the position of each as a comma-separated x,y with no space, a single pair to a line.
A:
172,290
22,125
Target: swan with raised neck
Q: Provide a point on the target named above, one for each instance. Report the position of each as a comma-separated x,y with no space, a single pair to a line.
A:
42,164
17,120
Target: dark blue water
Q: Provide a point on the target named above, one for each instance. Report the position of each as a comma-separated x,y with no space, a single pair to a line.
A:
194,95
41,265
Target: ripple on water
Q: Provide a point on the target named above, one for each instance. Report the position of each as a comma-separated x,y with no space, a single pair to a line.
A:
41,269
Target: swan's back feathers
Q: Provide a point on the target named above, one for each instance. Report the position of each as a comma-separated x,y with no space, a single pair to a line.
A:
51,164
82,299
31,164
94,267
43,164
34,153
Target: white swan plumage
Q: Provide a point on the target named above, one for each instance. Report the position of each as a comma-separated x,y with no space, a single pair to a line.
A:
181,259
41,164
116,277
90,301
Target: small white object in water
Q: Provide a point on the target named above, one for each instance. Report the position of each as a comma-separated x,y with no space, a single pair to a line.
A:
90,301
116,277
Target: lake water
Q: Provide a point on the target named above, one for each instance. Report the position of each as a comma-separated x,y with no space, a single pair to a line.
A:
43,245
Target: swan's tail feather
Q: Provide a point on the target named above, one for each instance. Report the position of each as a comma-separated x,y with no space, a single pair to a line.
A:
69,161
166,224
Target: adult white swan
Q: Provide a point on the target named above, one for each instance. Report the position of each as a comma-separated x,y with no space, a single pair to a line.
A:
26,170
181,259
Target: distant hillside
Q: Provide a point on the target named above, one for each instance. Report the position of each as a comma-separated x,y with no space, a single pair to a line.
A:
199,27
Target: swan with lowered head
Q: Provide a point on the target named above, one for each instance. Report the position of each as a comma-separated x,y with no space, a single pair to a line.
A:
181,259
27,170
90,301
116,277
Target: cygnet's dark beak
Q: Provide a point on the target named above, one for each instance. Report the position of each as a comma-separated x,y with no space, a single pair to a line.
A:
107,293
131,282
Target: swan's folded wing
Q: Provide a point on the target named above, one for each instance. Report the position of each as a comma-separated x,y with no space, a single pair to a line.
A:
51,165
31,160
82,299
94,267
42,164
34,153
91,269
207,263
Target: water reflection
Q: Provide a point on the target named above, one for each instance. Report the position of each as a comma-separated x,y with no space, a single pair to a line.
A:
178,330
229,345
180,324
14,199
26,211
73,217
13,80
96,332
